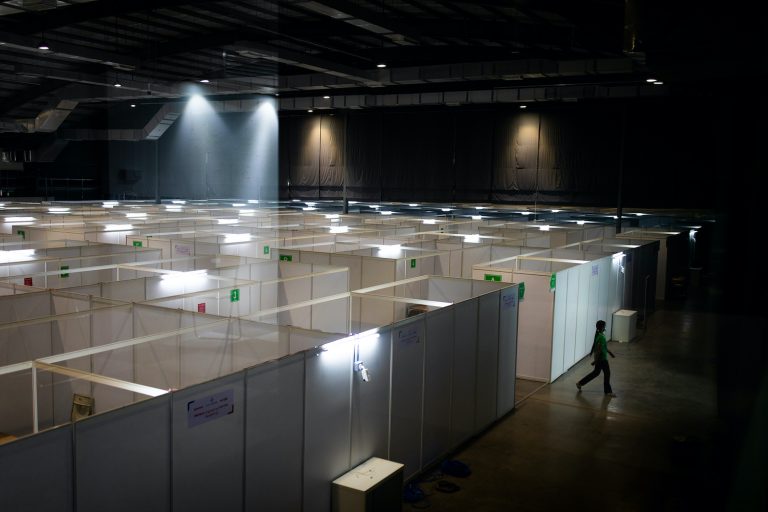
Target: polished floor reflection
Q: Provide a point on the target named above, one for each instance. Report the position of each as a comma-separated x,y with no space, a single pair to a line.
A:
651,447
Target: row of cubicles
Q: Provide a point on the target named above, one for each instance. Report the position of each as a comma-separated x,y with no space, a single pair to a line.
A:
158,329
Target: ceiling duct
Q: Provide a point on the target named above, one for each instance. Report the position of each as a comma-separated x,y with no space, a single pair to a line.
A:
38,5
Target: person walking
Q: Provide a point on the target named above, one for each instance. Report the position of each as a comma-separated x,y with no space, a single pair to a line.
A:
601,353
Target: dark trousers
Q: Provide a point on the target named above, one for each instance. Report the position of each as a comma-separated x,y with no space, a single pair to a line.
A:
601,365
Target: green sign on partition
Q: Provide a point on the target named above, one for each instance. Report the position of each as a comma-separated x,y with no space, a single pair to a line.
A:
137,243
234,295
413,263
521,291
492,277
266,249
64,269
21,233
552,281
286,257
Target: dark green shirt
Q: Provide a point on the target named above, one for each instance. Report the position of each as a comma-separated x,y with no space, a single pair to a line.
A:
600,348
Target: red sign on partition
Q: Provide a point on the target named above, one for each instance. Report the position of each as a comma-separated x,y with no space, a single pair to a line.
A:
201,307
27,281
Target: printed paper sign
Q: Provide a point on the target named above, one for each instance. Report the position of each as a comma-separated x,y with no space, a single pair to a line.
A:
183,249
413,263
552,282
201,307
210,408
137,243
492,277
408,335
64,272
266,249
21,233
286,257
234,295
508,301
521,291
594,270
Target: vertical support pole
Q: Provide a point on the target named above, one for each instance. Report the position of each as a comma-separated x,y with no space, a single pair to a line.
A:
344,198
621,168
35,420
157,174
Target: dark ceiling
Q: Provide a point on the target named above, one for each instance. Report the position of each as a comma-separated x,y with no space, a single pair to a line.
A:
447,51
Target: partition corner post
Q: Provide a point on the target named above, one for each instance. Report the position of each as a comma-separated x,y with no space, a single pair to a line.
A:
35,419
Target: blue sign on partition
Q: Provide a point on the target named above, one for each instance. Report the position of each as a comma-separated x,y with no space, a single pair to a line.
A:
210,408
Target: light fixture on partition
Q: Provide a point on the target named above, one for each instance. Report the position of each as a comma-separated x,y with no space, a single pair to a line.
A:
133,105
650,80
205,81
381,65
43,45
523,106
310,111
658,82
326,97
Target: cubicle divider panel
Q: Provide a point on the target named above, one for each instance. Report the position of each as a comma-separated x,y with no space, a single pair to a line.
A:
36,472
274,435
355,266
571,317
331,316
585,327
534,341
208,423
408,338
14,308
165,249
487,359
16,404
24,273
370,398
509,308
464,371
315,258
438,358
470,257
123,458
292,292
559,315
327,422
108,326
448,290
130,290
599,296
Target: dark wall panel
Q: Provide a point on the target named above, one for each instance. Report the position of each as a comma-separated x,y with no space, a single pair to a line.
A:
364,152
332,160
418,154
473,154
516,156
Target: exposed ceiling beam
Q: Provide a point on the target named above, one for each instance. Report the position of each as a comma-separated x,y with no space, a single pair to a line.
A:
298,59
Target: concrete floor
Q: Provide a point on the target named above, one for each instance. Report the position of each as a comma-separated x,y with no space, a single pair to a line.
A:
652,447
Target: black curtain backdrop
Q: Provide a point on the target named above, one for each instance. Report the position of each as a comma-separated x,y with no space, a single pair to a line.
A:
554,154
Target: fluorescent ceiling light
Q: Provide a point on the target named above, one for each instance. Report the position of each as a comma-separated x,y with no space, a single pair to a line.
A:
118,227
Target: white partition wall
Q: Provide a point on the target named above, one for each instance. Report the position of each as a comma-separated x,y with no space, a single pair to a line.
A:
327,423
274,441
137,473
407,385
534,345
208,445
36,473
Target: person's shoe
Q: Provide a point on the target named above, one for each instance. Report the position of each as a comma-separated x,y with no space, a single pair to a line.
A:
578,386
